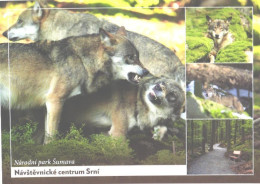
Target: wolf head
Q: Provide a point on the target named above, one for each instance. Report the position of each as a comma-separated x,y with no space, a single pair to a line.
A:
124,56
28,23
164,97
218,28
210,92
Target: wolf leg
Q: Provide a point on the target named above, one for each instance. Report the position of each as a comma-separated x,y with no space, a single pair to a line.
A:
54,109
212,56
119,124
54,103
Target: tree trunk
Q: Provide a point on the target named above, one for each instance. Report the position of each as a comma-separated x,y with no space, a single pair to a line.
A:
192,136
204,138
235,135
198,89
243,131
220,75
212,135
228,134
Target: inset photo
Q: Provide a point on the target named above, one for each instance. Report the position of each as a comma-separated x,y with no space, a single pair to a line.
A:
221,91
219,35
220,147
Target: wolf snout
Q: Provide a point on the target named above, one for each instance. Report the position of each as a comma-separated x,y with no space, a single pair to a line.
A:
5,34
217,36
145,72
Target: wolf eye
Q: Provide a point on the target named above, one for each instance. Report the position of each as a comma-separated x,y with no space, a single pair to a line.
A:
130,59
19,21
171,97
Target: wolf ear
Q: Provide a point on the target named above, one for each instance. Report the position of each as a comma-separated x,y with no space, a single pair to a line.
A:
37,10
208,19
121,31
228,19
40,9
106,37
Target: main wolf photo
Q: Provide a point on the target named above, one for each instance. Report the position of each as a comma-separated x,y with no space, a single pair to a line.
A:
100,86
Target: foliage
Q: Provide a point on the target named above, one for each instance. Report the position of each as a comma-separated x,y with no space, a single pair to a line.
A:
165,157
100,149
23,134
95,150
243,144
215,110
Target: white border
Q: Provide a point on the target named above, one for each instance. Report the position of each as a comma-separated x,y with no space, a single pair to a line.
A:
76,171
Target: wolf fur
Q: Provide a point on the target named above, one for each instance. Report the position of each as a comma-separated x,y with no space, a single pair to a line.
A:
122,106
37,23
48,73
229,101
218,31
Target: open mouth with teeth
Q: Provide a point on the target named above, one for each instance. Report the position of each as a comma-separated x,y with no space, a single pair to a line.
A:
134,78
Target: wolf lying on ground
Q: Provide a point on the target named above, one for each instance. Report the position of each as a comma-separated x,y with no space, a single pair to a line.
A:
51,72
39,23
218,31
122,106
229,101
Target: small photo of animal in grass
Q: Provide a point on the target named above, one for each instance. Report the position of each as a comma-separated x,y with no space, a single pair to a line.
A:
219,91
219,35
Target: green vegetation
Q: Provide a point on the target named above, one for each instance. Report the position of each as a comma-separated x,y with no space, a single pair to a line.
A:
202,46
96,149
202,135
199,46
165,157
234,53
215,110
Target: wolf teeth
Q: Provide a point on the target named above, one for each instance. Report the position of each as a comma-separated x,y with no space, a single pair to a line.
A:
137,78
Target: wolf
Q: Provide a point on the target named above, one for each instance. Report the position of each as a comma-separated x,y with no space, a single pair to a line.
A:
218,31
229,101
48,73
42,23
122,106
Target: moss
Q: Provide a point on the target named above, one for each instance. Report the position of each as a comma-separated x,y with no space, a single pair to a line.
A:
234,53
214,110
198,48
165,157
257,57
196,28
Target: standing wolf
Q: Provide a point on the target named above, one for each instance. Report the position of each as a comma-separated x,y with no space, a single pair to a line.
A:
218,31
39,23
51,72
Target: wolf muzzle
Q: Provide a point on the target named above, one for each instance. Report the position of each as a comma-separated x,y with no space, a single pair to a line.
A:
5,34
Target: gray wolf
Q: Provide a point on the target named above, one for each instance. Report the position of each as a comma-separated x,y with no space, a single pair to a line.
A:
39,23
121,106
229,100
48,73
218,31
